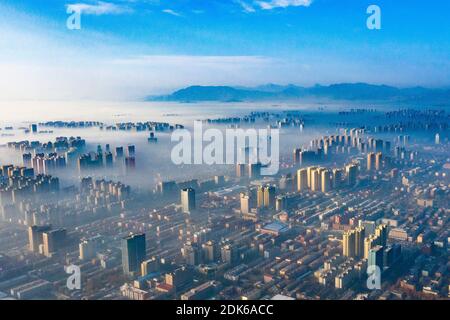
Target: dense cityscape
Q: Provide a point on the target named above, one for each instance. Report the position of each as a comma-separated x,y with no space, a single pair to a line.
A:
358,197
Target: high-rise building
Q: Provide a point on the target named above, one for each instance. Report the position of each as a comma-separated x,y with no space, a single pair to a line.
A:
370,160
337,178
229,254
191,254
254,170
315,180
281,203
210,251
302,180
369,242
108,159
378,161
437,139
309,171
53,240
381,233
240,170
188,200
260,197
133,253
179,277
35,236
245,203
352,174
376,256
326,181
119,152
131,151
130,163
348,243
269,196
296,155
359,241
88,247
167,188
149,266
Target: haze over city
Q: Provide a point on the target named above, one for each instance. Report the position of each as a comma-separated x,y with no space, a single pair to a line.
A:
240,152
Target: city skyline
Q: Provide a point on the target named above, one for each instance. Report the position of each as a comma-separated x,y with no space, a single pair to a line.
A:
238,152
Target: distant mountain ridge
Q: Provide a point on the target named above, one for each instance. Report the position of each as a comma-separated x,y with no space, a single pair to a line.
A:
274,92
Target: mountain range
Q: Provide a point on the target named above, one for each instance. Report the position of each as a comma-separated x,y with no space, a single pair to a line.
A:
341,91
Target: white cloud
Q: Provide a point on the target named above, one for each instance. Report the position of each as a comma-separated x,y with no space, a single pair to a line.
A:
171,12
245,6
269,5
99,8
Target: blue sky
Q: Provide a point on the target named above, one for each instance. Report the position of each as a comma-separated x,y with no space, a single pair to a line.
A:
127,49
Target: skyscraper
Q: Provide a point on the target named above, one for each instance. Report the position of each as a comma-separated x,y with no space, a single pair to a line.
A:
133,253
88,247
359,241
302,179
53,240
269,196
376,256
260,197
352,174
240,170
369,243
381,234
245,203
35,236
437,139
188,200
315,180
378,160
370,161
326,182
296,155
254,170
337,178
309,171
348,243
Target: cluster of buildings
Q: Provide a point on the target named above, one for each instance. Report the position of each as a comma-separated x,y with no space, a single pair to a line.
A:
347,205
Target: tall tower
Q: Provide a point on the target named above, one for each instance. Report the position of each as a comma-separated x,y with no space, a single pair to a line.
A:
133,253
245,203
326,181
348,243
359,241
315,180
188,200
337,178
370,161
260,197
309,171
378,161
437,139
240,170
269,196
381,234
352,174
376,255
302,179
